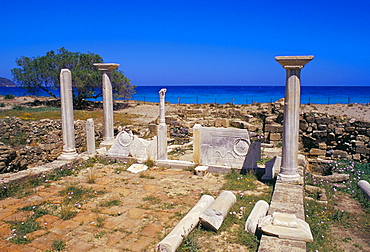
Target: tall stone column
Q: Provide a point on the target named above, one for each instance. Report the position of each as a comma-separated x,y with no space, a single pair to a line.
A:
69,146
162,127
107,69
289,163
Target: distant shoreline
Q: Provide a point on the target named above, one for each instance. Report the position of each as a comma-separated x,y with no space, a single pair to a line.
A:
234,94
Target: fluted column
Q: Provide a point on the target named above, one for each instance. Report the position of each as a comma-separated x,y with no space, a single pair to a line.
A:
107,69
289,162
68,130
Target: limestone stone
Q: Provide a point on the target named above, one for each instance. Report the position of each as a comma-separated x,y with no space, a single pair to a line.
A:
317,152
335,177
259,210
173,240
222,122
274,128
275,136
340,154
215,214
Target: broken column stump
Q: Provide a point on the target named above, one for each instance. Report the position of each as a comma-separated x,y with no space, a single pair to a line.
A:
259,210
173,240
365,187
215,214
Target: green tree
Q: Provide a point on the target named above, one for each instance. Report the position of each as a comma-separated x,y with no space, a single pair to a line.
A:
43,72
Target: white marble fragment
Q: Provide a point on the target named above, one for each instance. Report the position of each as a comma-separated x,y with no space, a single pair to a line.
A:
136,168
259,210
215,214
201,170
173,240
286,226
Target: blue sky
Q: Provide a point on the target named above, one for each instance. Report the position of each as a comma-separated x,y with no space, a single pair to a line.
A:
197,42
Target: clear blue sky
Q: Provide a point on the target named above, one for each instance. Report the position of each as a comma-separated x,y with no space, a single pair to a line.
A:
197,42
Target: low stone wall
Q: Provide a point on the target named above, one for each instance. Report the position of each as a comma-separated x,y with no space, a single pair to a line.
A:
323,136
25,144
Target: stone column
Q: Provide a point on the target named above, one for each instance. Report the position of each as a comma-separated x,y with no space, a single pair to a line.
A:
293,66
69,146
90,136
107,69
162,127
196,143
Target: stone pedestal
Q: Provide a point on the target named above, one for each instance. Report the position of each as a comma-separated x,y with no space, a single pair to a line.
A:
162,127
107,69
69,146
90,136
293,66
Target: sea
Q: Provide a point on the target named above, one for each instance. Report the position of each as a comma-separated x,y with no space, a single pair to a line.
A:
234,94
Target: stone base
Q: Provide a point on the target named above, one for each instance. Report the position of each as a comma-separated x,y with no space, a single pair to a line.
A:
201,170
175,164
288,177
68,155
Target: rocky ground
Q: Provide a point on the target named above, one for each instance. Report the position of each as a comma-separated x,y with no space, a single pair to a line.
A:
96,227
121,212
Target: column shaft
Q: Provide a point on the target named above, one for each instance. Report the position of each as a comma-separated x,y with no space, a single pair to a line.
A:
69,146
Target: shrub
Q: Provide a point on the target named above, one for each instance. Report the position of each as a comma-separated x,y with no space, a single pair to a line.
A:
9,97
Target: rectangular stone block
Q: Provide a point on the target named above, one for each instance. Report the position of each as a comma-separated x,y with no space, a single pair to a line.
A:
274,128
221,146
275,136
317,152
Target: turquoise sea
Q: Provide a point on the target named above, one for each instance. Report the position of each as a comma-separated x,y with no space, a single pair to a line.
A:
237,94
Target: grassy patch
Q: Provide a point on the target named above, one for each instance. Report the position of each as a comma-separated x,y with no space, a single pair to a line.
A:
58,245
20,229
110,203
236,181
152,200
322,217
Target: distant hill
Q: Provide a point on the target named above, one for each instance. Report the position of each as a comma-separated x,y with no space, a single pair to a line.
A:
4,82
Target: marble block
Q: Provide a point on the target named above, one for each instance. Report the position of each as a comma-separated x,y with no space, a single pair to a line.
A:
136,168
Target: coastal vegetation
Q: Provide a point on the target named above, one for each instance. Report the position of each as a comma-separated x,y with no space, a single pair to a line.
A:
42,72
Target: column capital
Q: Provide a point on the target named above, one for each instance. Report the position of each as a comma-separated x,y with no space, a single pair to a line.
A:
293,62
106,66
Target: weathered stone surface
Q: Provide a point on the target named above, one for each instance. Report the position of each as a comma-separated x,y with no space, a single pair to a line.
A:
259,210
173,240
317,152
272,167
286,226
136,168
221,146
365,187
335,177
201,170
215,214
